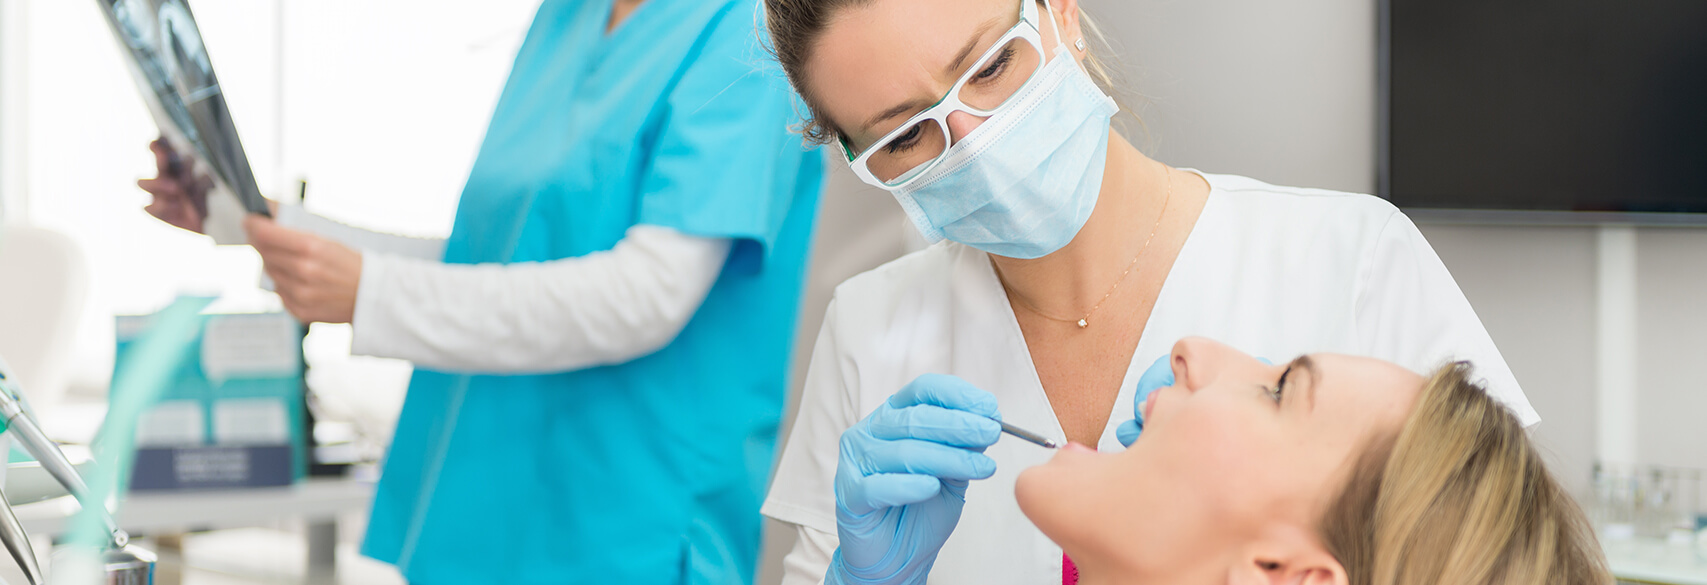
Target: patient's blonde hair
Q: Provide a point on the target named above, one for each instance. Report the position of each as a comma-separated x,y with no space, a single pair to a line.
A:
1459,495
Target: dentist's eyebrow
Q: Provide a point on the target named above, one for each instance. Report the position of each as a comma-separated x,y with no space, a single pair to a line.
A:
909,106
953,70
971,45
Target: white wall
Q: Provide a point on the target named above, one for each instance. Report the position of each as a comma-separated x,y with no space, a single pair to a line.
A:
351,95
1285,92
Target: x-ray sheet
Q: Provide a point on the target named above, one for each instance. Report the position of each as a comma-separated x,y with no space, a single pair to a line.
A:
171,67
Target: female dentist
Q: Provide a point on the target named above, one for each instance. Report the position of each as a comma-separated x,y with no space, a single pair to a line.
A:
602,343
1070,262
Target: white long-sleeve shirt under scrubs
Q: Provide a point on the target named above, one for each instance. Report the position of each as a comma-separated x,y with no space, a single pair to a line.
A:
602,308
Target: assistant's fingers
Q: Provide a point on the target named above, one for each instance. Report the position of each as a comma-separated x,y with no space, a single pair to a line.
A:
285,281
933,423
162,157
274,241
947,392
293,306
162,188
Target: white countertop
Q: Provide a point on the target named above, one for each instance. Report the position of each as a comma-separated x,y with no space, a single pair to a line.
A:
1655,561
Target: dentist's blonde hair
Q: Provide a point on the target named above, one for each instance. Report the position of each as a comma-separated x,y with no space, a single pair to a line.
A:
1459,496
796,25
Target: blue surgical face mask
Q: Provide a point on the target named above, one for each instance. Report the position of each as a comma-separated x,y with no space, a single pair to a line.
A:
1024,182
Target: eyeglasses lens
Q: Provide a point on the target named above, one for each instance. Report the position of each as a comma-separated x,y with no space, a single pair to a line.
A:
989,84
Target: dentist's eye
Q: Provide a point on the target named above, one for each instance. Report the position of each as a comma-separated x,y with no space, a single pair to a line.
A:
996,65
906,141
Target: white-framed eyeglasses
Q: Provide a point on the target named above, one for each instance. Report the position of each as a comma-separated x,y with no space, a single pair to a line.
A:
907,152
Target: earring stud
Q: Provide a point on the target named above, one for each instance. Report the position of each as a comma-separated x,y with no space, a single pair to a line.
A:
1080,45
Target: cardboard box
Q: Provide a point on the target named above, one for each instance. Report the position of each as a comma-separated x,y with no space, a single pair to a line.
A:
233,416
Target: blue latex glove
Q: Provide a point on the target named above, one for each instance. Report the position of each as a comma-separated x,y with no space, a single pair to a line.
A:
902,475
1159,375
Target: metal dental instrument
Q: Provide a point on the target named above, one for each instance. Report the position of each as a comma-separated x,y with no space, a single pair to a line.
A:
1029,436
24,427
126,564
18,543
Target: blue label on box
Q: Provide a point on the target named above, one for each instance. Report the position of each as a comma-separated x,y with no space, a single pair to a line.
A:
211,468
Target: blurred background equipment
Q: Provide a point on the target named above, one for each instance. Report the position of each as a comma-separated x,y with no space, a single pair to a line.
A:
1651,521
233,414
46,272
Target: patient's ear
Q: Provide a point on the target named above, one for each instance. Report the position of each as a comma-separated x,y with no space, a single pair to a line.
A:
1293,559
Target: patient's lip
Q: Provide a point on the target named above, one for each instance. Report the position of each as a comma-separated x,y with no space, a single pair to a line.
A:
1078,447
1149,406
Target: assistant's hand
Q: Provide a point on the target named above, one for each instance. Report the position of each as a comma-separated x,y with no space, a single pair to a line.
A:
902,475
316,278
180,195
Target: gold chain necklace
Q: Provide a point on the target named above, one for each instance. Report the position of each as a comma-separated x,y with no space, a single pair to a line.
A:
1085,321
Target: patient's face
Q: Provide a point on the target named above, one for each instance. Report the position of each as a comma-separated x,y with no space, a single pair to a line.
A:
1224,475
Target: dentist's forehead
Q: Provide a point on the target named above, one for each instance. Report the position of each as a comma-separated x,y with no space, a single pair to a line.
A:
888,52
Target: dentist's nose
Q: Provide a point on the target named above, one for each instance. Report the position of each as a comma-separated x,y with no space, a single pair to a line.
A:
961,124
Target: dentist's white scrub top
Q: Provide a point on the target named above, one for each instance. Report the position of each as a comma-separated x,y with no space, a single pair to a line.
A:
1273,271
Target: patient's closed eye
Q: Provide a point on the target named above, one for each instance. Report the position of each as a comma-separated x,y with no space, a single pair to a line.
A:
1278,391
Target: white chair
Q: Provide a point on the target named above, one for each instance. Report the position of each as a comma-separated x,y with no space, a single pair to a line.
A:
44,282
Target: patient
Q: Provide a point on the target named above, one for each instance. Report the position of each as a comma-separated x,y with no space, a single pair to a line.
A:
1328,470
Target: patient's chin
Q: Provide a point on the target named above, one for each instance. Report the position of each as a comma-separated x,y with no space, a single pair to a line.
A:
1052,494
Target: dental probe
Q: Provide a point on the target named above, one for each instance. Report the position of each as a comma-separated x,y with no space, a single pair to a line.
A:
1028,436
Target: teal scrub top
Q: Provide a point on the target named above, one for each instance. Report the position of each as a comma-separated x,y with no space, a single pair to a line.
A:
651,471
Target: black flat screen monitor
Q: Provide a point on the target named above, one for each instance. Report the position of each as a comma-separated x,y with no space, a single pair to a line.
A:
1545,105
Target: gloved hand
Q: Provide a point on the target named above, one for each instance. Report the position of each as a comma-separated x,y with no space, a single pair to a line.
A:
902,475
1158,376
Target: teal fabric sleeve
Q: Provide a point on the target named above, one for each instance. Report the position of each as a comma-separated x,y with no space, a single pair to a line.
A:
726,164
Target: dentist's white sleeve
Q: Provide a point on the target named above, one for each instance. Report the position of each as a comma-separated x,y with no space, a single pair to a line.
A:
603,308
1405,288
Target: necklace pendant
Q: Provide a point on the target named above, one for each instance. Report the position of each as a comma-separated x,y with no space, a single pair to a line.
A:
1083,323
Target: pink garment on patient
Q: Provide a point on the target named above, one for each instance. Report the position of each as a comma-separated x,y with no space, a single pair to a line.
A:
1069,571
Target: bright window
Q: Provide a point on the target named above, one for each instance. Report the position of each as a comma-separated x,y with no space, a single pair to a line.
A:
380,106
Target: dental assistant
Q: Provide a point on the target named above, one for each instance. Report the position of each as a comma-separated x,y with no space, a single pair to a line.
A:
1068,262
602,343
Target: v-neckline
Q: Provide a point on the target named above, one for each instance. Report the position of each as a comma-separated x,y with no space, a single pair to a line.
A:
994,284
606,32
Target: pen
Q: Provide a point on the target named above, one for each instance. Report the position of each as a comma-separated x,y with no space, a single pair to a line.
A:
1028,436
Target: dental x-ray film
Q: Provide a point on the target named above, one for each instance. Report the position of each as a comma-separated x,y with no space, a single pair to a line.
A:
166,57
